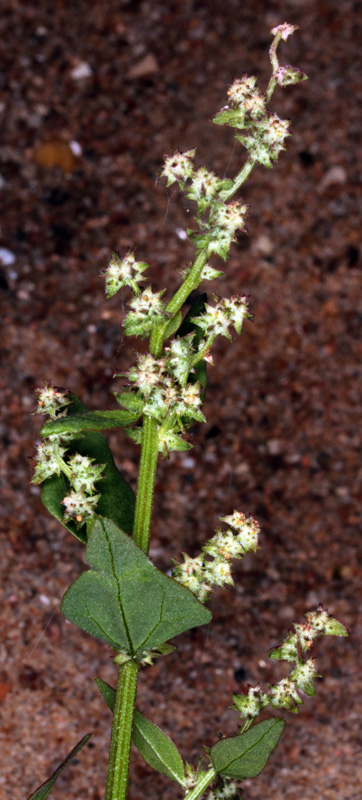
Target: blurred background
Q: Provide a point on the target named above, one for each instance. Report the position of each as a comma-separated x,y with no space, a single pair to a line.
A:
92,96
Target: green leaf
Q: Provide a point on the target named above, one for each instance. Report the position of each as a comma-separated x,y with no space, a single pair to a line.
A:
117,499
230,116
89,421
188,326
107,692
196,309
157,748
44,790
245,755
124,600
173,442
173,325
154,745
130,400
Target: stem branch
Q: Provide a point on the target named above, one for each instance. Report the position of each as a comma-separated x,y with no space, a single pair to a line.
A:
201,785
238,180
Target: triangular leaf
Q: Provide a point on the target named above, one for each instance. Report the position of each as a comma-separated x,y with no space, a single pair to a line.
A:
246,755
124,600
44,790
117,500
157,748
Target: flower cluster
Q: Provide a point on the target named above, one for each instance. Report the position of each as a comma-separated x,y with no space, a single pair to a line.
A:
52,401
204,188
52,459
218,319
179,167
284,30
218,232
161,394
49,459
124,272
146,310
168,389
267,139
79,506
247,110
284,694
213,566
226,790
244,95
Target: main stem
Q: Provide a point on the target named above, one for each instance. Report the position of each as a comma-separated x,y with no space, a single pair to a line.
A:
119,756
146,483
118,766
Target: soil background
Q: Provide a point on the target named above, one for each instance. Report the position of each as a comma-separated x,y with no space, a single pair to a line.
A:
92,96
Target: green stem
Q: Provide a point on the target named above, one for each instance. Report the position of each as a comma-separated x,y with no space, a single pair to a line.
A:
118,766
119,756
177,301
146,483
238,180
201,785
275,66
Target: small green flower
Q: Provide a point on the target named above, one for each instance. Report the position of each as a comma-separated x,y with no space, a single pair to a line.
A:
52,401
227,790
156,405
84,473
148,373
49,460
290,650
224,543
179,167
304,675
180,354
147,309
289,74
284,30
254,105
203,188
218,572
189,402
237,309
248,530
209,273
124,272
322,623
230,216
79,507
241,88
285,695
252,703
214,321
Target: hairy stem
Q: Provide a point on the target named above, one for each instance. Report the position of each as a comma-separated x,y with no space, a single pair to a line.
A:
238,181
118,765
146,483
188,285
